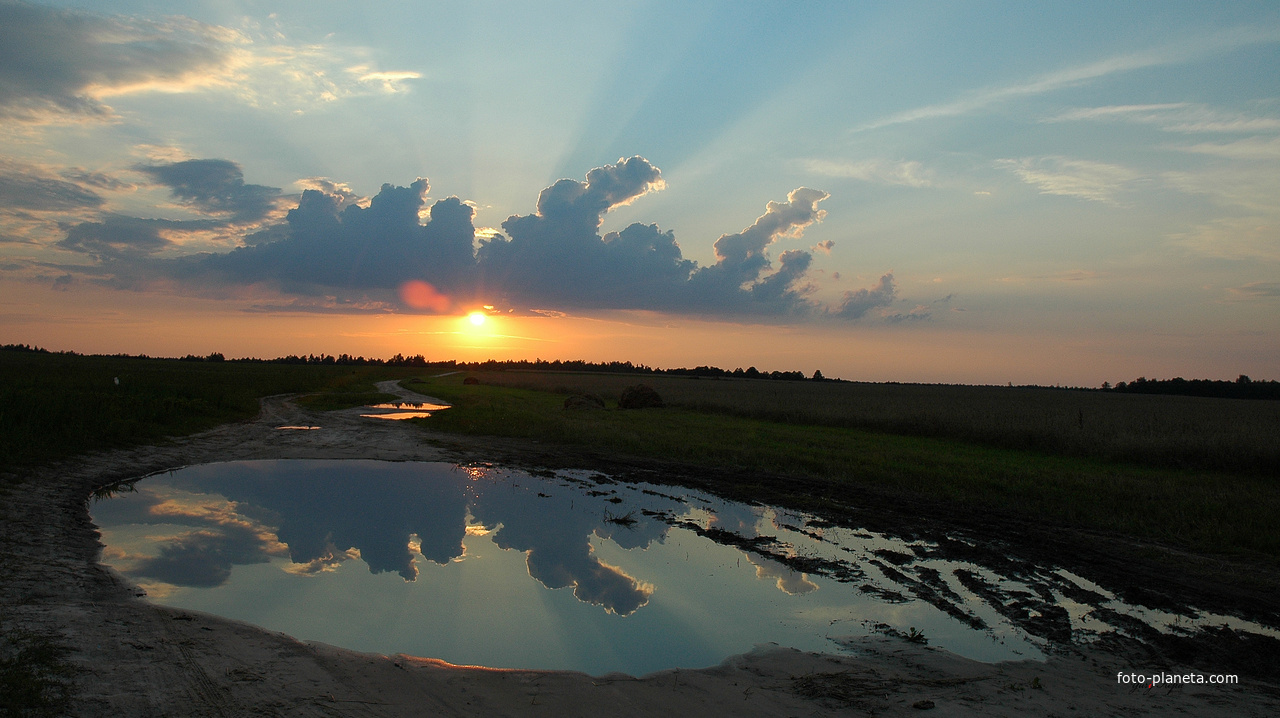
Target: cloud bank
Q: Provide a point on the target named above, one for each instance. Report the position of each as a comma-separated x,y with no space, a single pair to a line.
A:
394,253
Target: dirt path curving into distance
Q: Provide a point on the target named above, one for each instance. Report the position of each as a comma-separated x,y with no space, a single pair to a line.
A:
133,658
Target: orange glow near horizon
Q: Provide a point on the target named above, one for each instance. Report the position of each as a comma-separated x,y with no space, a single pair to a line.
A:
92,320
476,319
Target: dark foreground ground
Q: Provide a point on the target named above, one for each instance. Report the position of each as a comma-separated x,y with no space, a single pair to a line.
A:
118,655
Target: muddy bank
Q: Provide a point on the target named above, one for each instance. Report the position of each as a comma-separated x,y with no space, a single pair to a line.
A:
135,659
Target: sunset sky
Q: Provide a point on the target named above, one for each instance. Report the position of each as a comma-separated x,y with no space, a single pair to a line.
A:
1063,193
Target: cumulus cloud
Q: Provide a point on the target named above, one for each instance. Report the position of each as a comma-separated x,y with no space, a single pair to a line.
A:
203,558
855,304
337,250
557,255
379,247
735,283
216,537
788,580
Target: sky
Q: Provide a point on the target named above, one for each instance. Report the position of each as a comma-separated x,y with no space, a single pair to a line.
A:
969,192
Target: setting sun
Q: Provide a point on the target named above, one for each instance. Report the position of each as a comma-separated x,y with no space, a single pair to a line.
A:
476,318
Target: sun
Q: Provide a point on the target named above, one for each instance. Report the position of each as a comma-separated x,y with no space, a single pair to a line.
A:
476,318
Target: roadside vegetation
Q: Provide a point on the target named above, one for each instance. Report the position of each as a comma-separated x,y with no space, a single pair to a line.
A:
58,405
1232,435
35,678
1203,510
334,400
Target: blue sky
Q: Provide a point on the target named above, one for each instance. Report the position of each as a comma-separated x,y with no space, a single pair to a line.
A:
1066,192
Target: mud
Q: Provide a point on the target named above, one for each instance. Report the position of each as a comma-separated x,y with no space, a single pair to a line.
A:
132,658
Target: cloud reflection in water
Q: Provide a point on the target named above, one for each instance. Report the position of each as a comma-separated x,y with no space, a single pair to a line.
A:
321,514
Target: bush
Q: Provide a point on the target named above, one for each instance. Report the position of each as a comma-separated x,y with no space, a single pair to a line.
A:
639,396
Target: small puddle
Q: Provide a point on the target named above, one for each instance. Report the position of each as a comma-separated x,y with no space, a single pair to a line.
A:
480,565
403,410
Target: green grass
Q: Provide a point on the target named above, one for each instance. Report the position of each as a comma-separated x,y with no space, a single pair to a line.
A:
35,678
1198,510
54,405
1172,431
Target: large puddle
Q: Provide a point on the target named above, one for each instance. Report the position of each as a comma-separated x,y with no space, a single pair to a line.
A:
569,570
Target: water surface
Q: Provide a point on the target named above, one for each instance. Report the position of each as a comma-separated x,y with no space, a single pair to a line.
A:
488,566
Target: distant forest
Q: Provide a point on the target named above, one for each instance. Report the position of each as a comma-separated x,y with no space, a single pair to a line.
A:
1241,388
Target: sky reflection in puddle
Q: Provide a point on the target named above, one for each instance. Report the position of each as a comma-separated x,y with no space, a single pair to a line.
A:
402,410
454,562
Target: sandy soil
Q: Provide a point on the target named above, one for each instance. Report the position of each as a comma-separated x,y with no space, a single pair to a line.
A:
137,659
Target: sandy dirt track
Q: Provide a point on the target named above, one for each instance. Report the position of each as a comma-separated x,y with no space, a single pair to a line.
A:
137,659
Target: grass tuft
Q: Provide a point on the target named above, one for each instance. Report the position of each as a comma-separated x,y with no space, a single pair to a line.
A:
35,679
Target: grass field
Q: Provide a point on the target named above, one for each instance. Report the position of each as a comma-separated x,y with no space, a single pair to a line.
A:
56,405
1231,435
1070,458
1201,510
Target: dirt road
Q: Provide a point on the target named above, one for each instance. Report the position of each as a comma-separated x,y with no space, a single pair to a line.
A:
132,658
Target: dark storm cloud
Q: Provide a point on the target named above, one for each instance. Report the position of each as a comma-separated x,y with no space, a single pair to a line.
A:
384,254
60,62
215,186
24,186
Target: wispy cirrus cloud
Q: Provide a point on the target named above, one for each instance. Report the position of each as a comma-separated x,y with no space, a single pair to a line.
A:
1083,179
1256,290
1237,238
63,65
1172,54
1252,148
28,187
1174,117
1253,187
880,171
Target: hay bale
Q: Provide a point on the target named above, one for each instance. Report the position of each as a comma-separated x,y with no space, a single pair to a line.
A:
639,396
471,380
583,402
